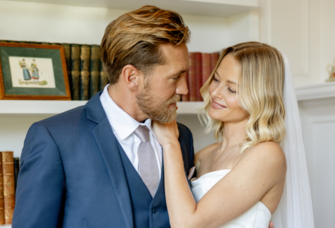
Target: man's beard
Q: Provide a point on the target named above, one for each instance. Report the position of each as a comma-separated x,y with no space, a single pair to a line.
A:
161,113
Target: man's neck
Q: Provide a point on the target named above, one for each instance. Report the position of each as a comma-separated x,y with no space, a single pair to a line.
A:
126,100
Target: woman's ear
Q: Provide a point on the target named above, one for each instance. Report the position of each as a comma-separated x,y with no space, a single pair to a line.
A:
131,76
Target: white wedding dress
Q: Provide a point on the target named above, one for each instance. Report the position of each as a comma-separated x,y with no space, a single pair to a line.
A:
257,216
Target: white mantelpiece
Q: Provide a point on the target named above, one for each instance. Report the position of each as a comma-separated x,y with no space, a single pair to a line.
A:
317,110
324,90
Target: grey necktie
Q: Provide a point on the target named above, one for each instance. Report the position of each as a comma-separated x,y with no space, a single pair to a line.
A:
148,166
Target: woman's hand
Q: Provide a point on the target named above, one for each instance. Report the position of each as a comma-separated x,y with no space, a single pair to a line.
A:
166,133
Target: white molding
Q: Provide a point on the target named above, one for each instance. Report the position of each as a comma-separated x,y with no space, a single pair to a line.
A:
318,91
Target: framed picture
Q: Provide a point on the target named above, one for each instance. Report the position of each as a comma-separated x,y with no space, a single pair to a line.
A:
33,72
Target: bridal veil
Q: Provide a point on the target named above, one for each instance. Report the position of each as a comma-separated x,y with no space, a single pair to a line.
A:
295,209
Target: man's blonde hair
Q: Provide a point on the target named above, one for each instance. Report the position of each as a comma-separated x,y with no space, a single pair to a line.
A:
134,39
260,93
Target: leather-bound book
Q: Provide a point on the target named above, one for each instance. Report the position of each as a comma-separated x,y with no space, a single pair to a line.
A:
67,51
187,96
75,71
198,73
192,80
85,57
103,77
206,67
16,170
95,70
8,185
2,211
214,60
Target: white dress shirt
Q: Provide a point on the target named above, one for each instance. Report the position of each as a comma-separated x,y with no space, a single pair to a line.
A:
123,126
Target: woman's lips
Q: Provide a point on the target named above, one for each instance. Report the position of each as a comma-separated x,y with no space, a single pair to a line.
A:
217,106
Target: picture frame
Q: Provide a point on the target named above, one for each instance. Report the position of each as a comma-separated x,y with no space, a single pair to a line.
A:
33,72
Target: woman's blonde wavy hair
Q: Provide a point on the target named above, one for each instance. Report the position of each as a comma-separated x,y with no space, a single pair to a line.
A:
260,93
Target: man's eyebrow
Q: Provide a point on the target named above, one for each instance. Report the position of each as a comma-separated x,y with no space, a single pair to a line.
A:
180,72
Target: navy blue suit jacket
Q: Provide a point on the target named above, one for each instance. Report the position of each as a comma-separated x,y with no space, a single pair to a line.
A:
72,174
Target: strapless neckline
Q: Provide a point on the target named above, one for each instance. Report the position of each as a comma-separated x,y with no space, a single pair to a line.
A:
213,172
258,216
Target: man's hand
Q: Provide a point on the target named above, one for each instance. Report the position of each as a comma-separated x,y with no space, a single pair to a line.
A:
271,225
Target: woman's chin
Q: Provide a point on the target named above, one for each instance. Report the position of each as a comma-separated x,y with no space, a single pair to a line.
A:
214,115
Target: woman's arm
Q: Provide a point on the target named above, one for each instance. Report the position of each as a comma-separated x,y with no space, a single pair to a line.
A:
260,169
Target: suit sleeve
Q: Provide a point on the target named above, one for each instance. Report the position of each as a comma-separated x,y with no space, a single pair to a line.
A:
41,183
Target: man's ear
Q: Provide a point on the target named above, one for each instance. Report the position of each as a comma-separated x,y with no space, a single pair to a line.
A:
131,76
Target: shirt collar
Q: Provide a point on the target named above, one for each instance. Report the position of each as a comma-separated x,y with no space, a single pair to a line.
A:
122,123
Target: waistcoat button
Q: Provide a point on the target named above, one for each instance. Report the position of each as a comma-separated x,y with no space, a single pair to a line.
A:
154,210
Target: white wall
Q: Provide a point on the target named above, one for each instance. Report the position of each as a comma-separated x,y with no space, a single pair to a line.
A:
304,31
74,24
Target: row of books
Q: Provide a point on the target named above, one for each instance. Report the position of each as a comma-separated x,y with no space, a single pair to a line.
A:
201,67
9,170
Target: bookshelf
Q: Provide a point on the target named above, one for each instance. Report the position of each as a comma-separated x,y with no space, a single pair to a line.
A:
220,22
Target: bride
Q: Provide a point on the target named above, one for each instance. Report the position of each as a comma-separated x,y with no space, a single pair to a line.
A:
250,105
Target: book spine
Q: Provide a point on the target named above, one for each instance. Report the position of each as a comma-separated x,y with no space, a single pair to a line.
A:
8,185
206,67
192,78
95,70
2,211
187,96
75,71
198,73
67,51
103,77
16,170
214,60
85,56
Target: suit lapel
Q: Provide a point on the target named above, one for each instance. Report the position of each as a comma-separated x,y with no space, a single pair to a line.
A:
108,146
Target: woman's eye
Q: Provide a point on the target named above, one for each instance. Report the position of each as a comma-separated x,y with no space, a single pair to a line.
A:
230,90
215,79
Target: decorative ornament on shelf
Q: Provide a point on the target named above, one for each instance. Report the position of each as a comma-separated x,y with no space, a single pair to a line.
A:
331,71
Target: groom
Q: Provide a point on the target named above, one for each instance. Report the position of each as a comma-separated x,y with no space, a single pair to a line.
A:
101,165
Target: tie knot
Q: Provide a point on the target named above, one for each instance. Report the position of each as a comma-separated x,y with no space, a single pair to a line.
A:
143,133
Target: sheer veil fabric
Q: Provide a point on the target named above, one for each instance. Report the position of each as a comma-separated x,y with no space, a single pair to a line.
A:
295,208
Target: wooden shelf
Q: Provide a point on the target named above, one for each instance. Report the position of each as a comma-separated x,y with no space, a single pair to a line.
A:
19,107
212,8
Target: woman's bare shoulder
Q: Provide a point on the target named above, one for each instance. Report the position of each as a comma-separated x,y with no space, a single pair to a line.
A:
267,154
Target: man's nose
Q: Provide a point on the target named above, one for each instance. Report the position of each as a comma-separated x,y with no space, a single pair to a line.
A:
182,86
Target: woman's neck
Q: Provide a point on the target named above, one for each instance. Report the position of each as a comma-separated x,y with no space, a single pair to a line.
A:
233,133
